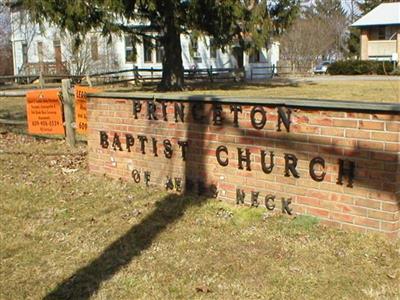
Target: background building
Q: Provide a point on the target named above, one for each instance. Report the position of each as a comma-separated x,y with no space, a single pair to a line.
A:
45,49
380,33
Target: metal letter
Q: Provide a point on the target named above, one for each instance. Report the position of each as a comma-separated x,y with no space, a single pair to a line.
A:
254,199
284,118
116,142
242,159
184,146
349,172
266,169
236,109
179,111
142,139
104,140
137,107
178,184
240,196
164,110
151,110
136,176
213,191
285,206
147,177
258,124
195,107
220,149
270,198
290,165
317,161
154,141
169,185
167,148
217,114
130,141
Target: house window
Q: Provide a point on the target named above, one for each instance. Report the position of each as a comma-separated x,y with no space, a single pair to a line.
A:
159,52
381,33
24,53
194,45
40,51
254,56
391,33
58,55
130,50
147,50
94,49
213,48
22,17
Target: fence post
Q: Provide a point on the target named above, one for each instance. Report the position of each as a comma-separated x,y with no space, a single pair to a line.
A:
68,104
89,81
151,74
41,80
136,72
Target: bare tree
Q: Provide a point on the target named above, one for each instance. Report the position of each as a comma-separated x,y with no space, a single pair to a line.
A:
91,56
6,66
22,28
320,33
306,41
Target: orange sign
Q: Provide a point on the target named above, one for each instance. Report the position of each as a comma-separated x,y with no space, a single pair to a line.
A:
81,107
44,112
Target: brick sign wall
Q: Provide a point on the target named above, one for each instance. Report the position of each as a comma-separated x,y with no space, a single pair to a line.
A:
339,162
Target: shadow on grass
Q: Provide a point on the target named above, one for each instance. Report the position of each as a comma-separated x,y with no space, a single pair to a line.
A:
86,281
224,85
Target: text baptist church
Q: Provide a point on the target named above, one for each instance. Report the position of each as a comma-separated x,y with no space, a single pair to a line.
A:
258,119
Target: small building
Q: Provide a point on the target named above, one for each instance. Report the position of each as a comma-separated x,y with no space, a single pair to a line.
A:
48,50
380,33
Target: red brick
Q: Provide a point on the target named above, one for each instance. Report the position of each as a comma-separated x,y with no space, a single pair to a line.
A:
390,226
318,212
332,131
372,125
321,121
366,222
360,134
391,126
381,215
370,205
342,217
385,136
371,145
345,123
363,202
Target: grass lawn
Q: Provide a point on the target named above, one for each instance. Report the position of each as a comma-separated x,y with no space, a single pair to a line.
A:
67,234
371,91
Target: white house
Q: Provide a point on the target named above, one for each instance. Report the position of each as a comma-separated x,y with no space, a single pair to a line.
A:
380,33
48,50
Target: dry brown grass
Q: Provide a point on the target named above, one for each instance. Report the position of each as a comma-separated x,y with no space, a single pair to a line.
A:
353,90
66,233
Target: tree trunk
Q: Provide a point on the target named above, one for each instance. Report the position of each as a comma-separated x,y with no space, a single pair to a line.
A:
239,52
239,56
173,75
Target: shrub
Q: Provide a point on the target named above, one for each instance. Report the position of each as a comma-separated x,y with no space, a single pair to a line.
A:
360,67
396,72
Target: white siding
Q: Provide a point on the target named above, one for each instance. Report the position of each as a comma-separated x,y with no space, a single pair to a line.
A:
112,55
